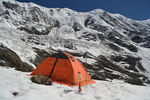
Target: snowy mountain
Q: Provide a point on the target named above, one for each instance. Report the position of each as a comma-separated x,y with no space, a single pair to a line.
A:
117,47
118,51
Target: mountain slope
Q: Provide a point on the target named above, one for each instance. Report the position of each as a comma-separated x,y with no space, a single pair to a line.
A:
117,47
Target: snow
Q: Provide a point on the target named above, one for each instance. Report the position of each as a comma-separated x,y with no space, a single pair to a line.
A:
14,81
87,60
12,39
145,54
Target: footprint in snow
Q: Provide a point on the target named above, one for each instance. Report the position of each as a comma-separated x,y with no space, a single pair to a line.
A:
67,91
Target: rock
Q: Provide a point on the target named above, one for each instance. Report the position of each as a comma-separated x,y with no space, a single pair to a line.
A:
89,36
69,45
10,59
117,39
34,30
114,47
137,39
133,61
76,27
41,55
10,5
104,69
134,81
15,93
40,79
91,23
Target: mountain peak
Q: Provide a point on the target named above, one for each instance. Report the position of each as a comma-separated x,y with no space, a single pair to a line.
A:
147,21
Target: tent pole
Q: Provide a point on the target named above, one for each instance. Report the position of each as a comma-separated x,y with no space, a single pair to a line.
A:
53,68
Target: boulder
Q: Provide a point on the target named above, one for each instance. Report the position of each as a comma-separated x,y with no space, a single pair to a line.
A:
40,79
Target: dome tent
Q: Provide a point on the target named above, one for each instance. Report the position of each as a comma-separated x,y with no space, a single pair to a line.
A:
63,68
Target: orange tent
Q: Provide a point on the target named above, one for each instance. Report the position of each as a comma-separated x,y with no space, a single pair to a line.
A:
63,68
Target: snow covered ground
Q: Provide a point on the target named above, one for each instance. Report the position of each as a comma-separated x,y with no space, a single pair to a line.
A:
15,81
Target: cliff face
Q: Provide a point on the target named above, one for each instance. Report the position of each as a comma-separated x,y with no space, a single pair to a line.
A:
117,47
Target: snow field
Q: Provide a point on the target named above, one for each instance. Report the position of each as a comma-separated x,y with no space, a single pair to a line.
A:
15,81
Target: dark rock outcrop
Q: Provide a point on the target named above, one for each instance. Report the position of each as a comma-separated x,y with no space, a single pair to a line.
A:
137,39
104,69
10,5
41,55
134,81
10,59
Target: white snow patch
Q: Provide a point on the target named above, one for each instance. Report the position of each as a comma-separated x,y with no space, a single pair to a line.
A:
87,60
145,54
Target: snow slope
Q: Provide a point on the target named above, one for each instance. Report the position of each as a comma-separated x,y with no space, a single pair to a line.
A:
15,81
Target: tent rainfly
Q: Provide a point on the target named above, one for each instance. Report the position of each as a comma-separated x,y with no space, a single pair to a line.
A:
63,68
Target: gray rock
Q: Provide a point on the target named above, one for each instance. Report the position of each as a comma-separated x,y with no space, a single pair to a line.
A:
40,79
10,59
